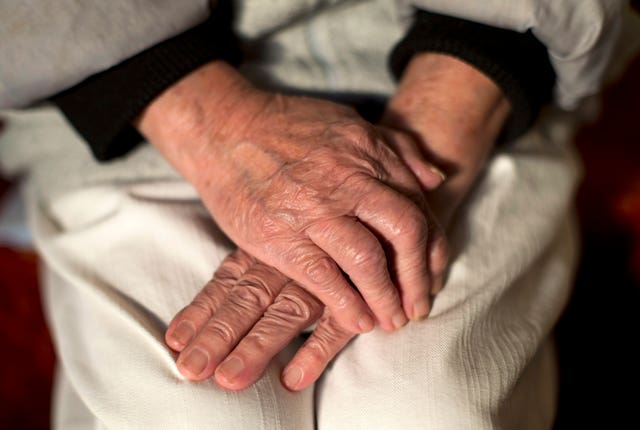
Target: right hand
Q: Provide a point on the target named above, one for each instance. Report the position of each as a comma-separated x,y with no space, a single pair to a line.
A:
305,186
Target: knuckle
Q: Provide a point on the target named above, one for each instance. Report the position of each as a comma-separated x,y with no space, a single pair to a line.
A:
321,271
257,342
252,293
361,181
370,176
232,267
320,346
359,133
325,342
224,276
210,292
220,330
203,304
413,224
370,255
318,350
383,294
289,308
371,154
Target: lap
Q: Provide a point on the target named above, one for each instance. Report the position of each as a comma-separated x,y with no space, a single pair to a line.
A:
121,260
485,362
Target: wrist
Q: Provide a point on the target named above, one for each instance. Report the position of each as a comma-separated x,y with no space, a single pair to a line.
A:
450,95
185,120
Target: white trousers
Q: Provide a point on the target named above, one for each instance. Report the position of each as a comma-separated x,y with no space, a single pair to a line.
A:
121,260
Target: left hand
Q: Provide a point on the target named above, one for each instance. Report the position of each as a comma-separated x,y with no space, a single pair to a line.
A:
243,317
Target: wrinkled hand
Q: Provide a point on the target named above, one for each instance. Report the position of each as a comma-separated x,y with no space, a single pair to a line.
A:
452,124
307,187
243,317
249,312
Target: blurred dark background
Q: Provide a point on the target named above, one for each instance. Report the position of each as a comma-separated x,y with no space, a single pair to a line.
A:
597,337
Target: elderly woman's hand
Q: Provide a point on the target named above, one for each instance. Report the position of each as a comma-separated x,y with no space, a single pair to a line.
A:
455,114
246,315
249,311
309,188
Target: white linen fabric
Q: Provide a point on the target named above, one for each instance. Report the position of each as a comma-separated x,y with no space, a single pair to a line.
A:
122,259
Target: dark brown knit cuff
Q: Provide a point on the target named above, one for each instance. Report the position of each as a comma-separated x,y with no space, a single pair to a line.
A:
517,62
102,107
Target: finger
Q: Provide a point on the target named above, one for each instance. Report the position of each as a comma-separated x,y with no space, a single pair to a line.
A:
360,255
192,318
318,273
405,229
327,340
293,310
430,178
438,257
428,174
244,305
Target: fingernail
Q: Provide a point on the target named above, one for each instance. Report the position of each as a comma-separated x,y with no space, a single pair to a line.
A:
399,320
438,172
421,309
292,377
195,361
230,369
365,324
183,333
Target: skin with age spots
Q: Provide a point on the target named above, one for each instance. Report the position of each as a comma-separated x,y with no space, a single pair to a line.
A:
443,110
220,321
249,312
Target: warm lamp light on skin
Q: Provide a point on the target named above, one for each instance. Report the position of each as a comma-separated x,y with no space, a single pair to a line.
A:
280,299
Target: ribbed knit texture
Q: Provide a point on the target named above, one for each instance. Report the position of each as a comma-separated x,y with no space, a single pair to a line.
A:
517,62
102,107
